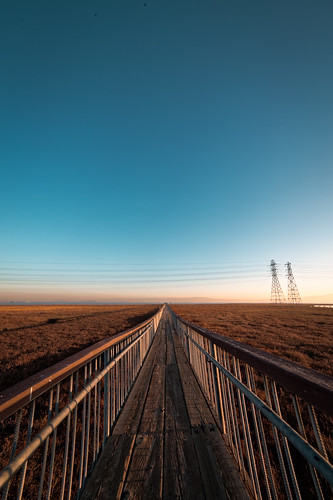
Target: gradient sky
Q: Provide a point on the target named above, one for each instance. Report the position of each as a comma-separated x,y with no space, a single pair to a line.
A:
153,150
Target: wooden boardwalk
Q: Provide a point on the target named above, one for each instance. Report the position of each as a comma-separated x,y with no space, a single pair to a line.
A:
166,443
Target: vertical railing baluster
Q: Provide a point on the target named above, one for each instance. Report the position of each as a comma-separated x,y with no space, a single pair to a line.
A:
54,443
318,436
95,418
24,469
233,438
277,444
116,375
84,412
201,369
247,434
122,380
217,388
106,398
203,361
235,421
316,430
187,342
113,393
286,445
120,375
261,440
98,407
85,469
71,467
301,427
210,379
119,385
227,428
127,372
207,367
64,469
13,450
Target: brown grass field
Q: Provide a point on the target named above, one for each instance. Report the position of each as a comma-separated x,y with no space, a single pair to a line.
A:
301,333
35,337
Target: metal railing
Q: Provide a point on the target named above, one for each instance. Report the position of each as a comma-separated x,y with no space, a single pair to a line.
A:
54,424
275,416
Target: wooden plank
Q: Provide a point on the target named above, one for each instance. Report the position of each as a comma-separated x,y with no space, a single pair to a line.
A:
107,478
170,350
182,478
145,474
218,470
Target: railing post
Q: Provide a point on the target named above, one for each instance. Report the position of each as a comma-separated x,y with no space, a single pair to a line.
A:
188,344
106,398
217,388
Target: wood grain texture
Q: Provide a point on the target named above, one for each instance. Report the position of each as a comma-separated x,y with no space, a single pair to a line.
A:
166,443
182,477
108,476
145,475
218,470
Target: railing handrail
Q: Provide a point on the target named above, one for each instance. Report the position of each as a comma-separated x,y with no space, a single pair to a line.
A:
313,386
16,396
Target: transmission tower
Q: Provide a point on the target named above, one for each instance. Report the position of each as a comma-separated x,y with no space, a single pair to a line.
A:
293,293
277,296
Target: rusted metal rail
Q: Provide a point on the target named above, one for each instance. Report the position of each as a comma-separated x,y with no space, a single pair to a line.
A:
55,424
275,416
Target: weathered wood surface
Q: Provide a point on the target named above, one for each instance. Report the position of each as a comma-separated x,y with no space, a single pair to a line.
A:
217,468
182,478
166,443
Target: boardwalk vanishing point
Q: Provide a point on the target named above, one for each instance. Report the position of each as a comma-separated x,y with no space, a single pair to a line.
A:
166,443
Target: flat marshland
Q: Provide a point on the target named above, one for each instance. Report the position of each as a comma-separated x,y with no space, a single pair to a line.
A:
300,333
35,337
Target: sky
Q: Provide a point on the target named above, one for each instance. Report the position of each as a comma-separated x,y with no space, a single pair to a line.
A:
165,150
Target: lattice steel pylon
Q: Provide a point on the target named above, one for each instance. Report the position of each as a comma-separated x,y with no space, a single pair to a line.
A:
277,295
293,293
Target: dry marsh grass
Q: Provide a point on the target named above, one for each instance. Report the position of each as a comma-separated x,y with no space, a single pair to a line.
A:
302,333
36,337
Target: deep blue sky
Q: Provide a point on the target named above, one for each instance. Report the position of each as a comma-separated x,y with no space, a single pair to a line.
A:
171,140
